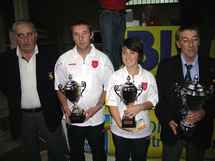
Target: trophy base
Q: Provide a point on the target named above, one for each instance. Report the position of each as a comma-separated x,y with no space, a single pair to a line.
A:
185,133
77,117
128,123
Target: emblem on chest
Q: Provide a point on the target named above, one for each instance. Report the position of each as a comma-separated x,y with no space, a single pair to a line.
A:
95,63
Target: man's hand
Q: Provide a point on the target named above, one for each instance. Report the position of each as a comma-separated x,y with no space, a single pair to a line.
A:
91,112
67,114
173,125
63,101
196,116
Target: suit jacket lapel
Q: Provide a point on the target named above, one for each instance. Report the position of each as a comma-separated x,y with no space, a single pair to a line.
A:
39,68
15,68
203,73
178,69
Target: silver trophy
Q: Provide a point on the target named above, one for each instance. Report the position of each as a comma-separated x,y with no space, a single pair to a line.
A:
73,92
192,96
128,93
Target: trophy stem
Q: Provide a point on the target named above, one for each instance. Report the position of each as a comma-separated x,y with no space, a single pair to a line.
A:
72,91
75,107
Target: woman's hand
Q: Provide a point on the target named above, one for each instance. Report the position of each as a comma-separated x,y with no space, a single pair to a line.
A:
126,129
132,110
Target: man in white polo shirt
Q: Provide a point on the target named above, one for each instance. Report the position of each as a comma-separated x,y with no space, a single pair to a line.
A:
26,78
85,63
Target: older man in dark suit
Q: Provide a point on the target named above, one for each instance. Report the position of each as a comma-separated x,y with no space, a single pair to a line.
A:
26,77
168,109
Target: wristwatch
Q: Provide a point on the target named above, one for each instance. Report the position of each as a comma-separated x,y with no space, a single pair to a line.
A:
101,105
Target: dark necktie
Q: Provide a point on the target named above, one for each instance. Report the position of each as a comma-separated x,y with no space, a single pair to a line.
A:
187,76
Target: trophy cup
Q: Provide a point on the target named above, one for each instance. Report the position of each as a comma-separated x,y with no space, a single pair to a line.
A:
192,96
128,93
73,92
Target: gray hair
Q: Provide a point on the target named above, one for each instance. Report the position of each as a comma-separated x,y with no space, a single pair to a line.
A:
24,21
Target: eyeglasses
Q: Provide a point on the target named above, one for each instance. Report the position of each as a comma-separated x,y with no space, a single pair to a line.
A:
194,39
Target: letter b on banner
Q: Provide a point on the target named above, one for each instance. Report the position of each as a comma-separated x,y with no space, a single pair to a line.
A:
151,55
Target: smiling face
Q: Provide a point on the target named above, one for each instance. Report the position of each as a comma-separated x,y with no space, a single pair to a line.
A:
26,38
129,58
82,37
189,42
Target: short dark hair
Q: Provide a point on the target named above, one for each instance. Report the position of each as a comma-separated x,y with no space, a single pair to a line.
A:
134,44
78,23
184,27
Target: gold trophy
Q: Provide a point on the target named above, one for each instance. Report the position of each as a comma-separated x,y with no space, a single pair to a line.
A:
128,93
73,92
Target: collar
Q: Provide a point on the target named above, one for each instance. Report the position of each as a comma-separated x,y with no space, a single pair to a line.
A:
93,51
125,73
194,62
36,51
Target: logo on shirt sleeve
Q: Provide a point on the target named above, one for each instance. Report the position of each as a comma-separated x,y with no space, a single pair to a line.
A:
95,63
145,85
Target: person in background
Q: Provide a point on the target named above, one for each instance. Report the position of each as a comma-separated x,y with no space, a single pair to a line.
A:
112,28
151,20
85,63
168,110
126,140
27,79
174,20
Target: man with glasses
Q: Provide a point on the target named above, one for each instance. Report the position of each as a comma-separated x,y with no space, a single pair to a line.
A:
168,110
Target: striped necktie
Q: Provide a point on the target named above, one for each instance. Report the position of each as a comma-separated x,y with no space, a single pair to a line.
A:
187,76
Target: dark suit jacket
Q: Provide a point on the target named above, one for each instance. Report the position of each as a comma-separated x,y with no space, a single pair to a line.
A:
10,85
170,72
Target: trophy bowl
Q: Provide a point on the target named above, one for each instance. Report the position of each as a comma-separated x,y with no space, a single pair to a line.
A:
72,91
192,96
128,93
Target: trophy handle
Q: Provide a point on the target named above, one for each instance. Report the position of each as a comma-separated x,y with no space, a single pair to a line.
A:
116,89
210,92
83,84
60,87
140,89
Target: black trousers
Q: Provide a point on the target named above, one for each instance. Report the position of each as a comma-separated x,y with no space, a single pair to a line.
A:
173,153
32,123
95,137
137,147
